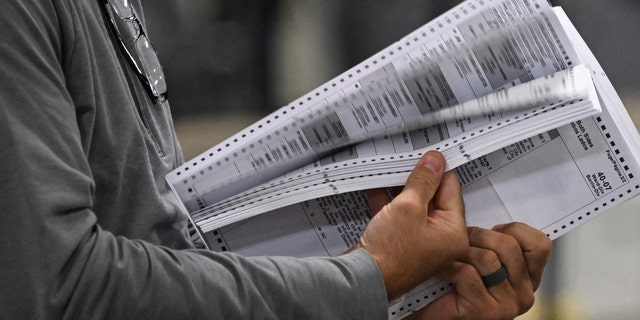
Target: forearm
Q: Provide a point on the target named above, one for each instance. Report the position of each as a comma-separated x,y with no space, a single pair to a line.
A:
58,262
112,277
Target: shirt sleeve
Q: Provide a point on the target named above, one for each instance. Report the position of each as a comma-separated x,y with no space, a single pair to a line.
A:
57,261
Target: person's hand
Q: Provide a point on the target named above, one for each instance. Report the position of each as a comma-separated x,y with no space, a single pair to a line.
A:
421,230
522,250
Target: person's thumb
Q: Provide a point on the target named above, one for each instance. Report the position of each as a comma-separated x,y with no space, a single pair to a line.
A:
424,180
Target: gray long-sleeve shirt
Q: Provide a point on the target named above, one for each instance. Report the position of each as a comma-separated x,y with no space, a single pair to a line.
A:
88,228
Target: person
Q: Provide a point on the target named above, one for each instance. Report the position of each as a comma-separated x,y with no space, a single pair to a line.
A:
90,229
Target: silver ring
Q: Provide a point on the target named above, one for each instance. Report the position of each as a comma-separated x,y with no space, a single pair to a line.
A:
496,277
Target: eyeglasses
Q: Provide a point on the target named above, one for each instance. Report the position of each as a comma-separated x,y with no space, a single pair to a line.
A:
133,41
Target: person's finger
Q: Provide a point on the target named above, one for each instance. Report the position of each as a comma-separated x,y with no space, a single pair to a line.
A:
510,254
439,192
409,244
505,246
448,197
485,261
424,180
447,207
470,299
535,245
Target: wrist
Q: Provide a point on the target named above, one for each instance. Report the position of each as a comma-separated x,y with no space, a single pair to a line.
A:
392,277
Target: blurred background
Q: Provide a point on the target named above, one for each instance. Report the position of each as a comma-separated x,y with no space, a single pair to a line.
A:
231,62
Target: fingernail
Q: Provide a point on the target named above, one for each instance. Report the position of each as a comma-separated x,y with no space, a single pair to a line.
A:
432,163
